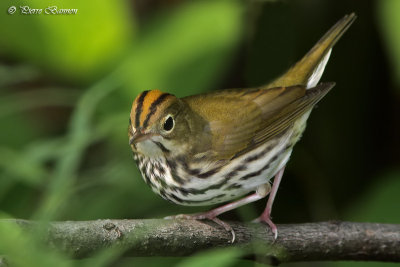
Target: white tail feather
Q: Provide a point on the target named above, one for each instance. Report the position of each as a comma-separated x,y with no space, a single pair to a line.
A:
316,75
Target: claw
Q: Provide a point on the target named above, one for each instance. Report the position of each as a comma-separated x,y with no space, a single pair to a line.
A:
212,214
266,215
267,220
227,227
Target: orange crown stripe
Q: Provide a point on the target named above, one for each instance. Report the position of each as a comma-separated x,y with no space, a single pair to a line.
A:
147,105
152,96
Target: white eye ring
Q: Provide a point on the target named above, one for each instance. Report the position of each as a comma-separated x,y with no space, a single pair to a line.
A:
168,124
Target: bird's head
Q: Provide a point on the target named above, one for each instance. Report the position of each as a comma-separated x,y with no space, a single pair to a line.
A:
158,123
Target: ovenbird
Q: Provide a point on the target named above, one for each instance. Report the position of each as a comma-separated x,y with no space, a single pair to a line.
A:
214,147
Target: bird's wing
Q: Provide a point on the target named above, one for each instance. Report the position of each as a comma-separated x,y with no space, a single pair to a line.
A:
240,120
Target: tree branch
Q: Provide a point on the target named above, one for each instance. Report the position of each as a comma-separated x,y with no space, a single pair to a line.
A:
158,237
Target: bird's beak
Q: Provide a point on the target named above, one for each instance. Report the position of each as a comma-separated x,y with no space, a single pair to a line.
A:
138,137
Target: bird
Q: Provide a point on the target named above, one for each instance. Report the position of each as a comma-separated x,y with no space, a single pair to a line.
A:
228,146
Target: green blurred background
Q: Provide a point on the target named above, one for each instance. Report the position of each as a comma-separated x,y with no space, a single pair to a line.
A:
67,83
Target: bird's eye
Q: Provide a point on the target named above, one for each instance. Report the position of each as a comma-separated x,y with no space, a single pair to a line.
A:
168,124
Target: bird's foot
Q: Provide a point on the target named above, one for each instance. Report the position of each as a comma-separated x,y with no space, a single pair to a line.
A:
266,218
212,214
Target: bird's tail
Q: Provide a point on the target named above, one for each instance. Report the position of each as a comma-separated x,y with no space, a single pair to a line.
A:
309,69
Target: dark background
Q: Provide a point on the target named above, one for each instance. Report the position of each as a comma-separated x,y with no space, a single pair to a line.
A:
67,83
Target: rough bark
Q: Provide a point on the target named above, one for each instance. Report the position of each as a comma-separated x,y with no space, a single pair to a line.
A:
158,237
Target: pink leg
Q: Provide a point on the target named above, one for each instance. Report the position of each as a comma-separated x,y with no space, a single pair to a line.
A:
212,214
227,207
266,215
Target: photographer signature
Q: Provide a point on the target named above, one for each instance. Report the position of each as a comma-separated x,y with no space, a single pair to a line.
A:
51,10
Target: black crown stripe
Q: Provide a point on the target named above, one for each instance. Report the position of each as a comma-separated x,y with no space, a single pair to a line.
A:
153,108
139,108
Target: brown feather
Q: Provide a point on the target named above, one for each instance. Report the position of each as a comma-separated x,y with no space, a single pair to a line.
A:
241,119
302,70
